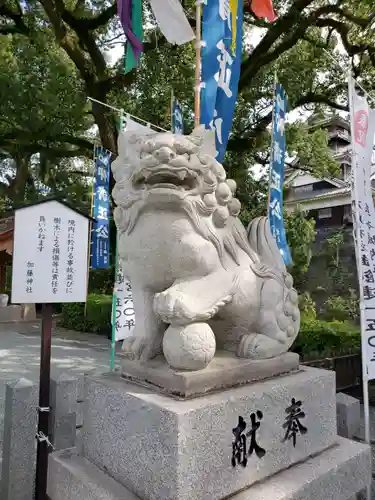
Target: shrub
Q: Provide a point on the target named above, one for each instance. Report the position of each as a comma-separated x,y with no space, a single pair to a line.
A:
101,281
338,308
320,339
98,315
307,306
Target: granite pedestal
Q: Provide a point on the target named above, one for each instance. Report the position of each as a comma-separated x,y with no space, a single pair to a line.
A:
151,446
224,371
163,449
336,474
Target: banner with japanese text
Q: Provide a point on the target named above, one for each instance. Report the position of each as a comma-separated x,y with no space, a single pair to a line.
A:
362,131
221,66
276,181
177,117
123,316
101,210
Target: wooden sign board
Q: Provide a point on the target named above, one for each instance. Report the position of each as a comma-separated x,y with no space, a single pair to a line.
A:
50,252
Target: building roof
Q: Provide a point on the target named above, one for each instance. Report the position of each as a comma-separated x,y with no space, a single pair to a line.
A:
326,194
338,183
333,120
320,195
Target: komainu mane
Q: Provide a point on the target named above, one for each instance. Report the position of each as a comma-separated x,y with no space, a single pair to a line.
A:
195,271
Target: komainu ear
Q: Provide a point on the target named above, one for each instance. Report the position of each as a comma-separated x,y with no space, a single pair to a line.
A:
207,140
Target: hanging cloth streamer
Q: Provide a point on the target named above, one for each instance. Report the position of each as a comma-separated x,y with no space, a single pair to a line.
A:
263,9
124,9
172,21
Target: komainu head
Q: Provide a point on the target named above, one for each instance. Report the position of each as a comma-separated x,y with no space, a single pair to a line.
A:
173,169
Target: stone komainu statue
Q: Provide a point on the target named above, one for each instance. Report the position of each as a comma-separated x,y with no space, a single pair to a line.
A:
199,280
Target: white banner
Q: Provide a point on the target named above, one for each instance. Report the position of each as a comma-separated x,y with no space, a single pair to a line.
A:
172,21
363,130
123,302
133,126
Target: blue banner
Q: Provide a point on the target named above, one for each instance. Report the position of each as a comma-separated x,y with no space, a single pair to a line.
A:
221,67
101,209
276,183
177,117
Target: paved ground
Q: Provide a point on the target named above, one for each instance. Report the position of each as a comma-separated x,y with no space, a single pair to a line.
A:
71,351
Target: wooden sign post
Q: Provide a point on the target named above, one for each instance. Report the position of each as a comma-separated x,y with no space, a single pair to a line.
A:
51,244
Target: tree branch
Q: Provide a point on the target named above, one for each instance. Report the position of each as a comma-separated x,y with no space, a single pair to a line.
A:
285,24
343,30
312,98
31,143
119,81
99,20
67,42
252,135
292,27
19,25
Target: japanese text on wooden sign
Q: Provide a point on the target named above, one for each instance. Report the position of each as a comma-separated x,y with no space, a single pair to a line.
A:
50,254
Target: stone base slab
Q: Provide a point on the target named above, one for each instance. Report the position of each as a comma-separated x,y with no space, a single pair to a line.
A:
11,313
166,449
225,371
336,474
72,477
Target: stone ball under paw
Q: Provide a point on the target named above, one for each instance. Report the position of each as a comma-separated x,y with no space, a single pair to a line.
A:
190,347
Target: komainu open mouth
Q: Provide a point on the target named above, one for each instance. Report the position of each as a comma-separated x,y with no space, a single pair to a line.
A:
182,179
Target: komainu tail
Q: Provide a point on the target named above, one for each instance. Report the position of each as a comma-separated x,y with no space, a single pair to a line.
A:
261,240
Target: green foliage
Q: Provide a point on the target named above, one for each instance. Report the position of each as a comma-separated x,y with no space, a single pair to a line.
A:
311,149
331,249
53,55
98,315
101,281
333,272
307,306
300,233
319,339
341,308
44,115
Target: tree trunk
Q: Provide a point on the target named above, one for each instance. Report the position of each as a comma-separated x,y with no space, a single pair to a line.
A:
17,187
107,129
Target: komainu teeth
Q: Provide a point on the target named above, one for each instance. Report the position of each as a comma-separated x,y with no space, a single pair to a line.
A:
179,162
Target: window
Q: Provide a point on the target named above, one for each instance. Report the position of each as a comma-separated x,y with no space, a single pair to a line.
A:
325,213
346,169
347,218
303,189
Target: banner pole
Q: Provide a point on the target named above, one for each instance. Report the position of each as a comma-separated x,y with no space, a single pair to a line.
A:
366,403
114,297
114,304
198,62
172,102
90,234
272,145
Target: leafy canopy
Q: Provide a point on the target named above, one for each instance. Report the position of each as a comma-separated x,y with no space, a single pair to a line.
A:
57,51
